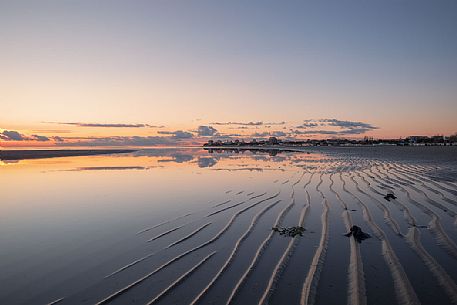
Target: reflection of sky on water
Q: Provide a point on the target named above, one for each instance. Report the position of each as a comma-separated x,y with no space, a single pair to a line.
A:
55,213
61,209
159,158
206,162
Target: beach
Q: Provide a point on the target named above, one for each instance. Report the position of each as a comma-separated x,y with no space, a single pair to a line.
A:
186,226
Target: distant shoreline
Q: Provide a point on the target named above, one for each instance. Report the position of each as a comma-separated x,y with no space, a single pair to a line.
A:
304,147
276,147
56,153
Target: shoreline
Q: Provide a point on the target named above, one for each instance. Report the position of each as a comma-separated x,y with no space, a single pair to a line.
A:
56,153
301,148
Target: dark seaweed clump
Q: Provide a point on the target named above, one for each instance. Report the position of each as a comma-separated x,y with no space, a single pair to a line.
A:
358,234
289,231
390,196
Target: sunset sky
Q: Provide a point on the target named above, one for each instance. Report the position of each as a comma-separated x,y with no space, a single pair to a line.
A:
146,73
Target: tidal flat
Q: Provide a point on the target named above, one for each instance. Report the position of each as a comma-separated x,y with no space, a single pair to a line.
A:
189,226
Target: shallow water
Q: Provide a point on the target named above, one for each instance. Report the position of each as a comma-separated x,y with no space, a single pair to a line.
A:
186,226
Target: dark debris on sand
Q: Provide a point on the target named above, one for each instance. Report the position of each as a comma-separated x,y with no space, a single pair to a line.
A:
358,234
290,231
390,196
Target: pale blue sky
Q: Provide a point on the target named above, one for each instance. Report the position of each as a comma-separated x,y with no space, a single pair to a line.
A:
391,63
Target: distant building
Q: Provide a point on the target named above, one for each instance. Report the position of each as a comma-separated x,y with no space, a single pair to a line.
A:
418,139
438,139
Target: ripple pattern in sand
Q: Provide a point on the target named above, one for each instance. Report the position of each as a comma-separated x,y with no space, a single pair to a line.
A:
217,235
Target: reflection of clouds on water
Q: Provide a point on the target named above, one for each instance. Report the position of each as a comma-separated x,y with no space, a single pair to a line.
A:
279,158
259,157
106,168
168,154
206,162
182,158
264,159
162,152
210,158
178,158
9,161
249,169
247,160
148,202
223,160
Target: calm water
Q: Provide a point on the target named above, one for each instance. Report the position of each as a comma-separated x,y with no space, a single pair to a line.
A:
185,226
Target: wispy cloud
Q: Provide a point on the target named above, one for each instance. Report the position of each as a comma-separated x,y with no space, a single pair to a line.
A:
170,138
307,125
206,131
314,132
352,131
119,141
108,125
52,130
179,134
269,134
312,127
40,138
238,123
348,124
335,123
257,123
316,127
13,135
275,123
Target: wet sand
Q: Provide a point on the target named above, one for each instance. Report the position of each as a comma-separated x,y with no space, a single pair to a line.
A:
227,253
